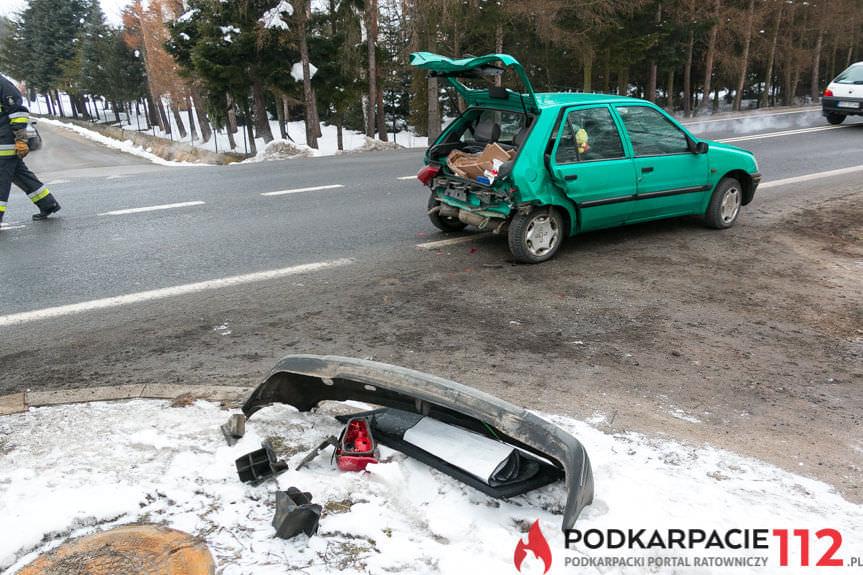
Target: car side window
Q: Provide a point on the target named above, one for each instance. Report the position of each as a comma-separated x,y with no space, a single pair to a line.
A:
588,134
651,133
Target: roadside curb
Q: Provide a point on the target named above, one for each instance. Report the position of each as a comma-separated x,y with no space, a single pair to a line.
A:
21,402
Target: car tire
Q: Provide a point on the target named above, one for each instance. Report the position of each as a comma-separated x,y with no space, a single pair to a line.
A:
835,118
443,223
724,206
536,236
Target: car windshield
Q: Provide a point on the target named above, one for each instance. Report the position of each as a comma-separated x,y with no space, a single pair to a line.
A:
852,75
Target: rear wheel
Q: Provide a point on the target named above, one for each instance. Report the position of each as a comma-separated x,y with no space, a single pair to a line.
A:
443,223
725,204
835,118
536,236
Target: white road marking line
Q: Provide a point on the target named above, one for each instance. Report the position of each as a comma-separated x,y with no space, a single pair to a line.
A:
757,116
10,227
56,182
117,301
449,242
407,177
151,208
779,134
810,177
298,190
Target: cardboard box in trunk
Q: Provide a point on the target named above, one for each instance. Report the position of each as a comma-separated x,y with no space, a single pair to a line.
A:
472,166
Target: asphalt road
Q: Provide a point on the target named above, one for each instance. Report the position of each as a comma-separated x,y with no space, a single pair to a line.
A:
360,207
747,339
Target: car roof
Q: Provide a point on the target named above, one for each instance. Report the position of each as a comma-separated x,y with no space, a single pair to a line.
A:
554,99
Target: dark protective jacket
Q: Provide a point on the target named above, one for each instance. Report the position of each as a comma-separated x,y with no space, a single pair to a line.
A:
14,118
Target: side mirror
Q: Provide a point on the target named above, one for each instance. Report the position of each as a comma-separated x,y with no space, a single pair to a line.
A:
701,148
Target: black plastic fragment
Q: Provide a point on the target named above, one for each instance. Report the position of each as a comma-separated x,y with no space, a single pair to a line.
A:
259,465
295,513
235,428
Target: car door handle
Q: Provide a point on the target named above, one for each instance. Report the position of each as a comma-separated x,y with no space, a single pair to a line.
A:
647,170
571,177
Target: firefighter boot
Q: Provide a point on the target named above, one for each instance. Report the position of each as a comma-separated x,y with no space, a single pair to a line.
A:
47,206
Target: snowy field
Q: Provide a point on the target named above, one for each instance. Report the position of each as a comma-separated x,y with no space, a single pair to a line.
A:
71,470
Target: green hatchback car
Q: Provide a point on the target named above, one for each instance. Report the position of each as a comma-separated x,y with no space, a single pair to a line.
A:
551,165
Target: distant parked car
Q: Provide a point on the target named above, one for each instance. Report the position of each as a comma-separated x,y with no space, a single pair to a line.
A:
547,166
34,140
844,95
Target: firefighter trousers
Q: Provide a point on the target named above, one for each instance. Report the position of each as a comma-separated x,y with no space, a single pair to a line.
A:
15,171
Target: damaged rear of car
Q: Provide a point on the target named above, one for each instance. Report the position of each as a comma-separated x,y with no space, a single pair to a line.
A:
468,166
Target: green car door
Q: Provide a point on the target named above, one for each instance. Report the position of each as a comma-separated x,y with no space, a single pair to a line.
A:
589,163
672,177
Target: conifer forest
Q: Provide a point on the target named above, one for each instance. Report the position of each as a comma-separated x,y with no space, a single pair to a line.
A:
238,64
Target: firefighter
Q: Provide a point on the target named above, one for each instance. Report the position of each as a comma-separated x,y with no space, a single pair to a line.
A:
14,119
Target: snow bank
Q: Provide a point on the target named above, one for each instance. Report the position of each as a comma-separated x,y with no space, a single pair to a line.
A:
71,470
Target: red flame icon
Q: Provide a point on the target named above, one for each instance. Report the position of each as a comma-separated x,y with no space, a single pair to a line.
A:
535,542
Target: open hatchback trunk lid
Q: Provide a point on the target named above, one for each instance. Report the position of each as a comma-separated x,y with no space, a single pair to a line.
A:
481,66
304,381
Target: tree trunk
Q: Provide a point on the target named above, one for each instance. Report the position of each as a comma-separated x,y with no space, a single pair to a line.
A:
651,82
286,110
814,88
231,123
433,110
280,118
711,54
588,71
339,135
744,64
73,106
203,121
152,114
59,104
382,118
498,48
623,80
192,131
164,124
687,76
669,91
250,135
771,58
262,122
316,120
462,105
371,40
606,72
178,120
308,97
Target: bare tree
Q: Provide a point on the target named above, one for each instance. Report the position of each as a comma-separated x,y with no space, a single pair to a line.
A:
744,63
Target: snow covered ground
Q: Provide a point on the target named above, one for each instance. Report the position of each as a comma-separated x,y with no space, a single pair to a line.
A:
74,469
294,146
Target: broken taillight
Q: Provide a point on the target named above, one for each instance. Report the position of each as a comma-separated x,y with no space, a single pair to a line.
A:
357,447
427,174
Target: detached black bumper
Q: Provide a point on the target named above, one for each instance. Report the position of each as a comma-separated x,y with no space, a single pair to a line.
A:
306,380
843,106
